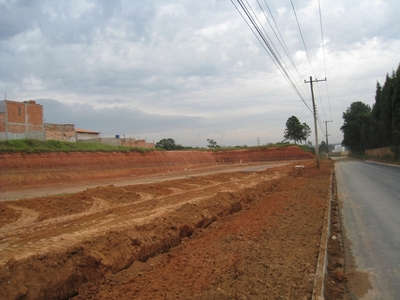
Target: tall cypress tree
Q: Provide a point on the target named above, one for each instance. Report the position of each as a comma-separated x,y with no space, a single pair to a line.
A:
395,126
386,117
375,129
379,127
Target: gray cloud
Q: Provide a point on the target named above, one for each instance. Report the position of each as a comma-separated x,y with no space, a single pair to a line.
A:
111,121
191,70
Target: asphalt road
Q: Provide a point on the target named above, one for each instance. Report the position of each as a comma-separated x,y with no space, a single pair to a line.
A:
369,194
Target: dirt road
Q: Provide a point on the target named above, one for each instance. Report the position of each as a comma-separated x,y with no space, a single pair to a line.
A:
235,235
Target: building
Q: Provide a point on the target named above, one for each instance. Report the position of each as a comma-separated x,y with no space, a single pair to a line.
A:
24,120
339,148
21,120
87,135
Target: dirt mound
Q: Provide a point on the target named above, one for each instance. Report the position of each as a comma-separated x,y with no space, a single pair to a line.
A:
50,168
221,236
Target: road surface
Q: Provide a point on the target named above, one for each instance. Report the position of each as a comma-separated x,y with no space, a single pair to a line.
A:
370,208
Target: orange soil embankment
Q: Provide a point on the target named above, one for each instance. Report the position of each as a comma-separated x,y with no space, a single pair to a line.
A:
26,169
259,155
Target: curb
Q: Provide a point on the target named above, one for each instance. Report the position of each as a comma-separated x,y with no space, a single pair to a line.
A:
318,291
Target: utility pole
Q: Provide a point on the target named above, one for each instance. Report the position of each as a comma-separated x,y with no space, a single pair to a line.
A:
315,116
326,134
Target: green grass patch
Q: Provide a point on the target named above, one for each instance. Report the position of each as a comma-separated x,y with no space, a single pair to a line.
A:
36,146
279,145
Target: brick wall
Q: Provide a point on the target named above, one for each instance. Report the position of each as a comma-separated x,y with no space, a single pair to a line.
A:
60,132
35,114
21,120
379,152
15,112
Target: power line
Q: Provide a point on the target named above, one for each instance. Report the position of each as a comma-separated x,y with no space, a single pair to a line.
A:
280,38
323,54
308,57
266,44
302,38
270,40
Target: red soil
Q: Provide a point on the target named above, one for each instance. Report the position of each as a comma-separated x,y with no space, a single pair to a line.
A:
21,170
232,235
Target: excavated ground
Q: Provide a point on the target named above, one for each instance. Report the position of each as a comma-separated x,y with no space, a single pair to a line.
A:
231,235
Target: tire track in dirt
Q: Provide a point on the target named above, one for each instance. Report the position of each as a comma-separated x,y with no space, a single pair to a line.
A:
55,234
273,242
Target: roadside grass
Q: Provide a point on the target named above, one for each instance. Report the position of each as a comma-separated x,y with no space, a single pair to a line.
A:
36,146
279,145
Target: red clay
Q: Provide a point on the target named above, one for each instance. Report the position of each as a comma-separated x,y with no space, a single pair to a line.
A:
232,235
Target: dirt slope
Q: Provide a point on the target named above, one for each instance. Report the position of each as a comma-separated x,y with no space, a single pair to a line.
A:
22,170
244,235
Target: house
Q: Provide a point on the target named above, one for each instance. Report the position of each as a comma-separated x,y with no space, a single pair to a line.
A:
87,135
21,120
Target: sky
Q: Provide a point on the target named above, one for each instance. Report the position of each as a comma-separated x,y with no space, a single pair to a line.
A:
194,70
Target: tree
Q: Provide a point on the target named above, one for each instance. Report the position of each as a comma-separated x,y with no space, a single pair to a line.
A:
322,147
212,143
366,128
168,144
296,131
306,132
357,119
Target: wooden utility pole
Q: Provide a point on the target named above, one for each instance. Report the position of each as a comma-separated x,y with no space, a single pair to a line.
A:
315,116
326,134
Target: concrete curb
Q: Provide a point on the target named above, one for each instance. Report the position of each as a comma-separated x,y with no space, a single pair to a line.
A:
318,291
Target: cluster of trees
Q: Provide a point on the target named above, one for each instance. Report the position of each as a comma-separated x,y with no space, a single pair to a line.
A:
212,144
170,144
322,147
296,131
366,128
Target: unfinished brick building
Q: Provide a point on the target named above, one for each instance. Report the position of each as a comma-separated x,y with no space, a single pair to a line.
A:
20,120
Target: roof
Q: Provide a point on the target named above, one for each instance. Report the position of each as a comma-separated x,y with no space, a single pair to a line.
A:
85,130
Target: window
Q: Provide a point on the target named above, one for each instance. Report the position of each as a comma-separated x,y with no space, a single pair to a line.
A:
19,110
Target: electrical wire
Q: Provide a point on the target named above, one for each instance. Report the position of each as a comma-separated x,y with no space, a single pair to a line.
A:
267,44
253,22
323,54
302,38
271,43
309,60
280,39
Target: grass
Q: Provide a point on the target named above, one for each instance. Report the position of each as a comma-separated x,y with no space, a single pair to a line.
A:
36,146
280,145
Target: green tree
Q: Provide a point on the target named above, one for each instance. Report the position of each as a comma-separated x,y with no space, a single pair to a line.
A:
168,144
306,132
296,131
212,143
396,110
322,147
376,128
356,122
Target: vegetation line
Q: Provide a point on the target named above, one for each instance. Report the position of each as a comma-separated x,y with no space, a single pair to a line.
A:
36,146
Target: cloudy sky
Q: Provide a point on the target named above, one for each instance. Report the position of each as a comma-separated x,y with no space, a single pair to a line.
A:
193,70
